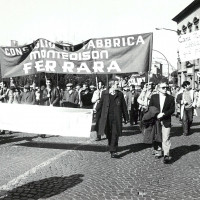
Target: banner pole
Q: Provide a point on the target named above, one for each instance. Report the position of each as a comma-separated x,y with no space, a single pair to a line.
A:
107,80
96,81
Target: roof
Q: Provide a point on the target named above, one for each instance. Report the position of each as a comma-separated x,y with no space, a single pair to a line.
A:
189,9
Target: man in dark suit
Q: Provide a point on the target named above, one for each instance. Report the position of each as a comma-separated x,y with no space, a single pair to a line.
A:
50,96
28,97
166,105
111,107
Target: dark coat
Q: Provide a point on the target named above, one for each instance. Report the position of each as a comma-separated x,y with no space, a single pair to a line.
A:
168,108
54,97
152,127
119,110
28,98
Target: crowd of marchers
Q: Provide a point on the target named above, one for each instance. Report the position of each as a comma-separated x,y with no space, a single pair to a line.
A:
150,107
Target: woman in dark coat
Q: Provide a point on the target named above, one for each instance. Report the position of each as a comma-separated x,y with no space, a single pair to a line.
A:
112,106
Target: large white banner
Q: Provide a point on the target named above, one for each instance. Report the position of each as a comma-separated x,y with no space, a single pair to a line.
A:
48,120
189,46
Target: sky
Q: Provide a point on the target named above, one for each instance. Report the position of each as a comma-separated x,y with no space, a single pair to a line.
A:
75,21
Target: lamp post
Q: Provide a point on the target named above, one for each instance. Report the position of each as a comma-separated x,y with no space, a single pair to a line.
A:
167,63
168,29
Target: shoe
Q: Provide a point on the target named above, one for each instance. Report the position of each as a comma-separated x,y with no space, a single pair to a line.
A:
3,132
166,159
114,155
43,135
158,154
98,139
185,134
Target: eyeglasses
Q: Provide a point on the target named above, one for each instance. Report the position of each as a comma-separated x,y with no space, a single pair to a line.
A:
164,88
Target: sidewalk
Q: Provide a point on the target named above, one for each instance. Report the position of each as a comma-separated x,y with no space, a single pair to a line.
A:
60,168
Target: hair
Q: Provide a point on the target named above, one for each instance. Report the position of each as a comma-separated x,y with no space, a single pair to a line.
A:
4,83
49,79
162,81
185,83
112,82
133,86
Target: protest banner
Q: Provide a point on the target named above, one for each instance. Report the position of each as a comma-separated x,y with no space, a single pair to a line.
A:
113,55
189,46
46,120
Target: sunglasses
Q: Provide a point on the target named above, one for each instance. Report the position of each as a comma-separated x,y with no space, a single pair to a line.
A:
164,88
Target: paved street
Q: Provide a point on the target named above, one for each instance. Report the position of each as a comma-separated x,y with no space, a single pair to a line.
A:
61,168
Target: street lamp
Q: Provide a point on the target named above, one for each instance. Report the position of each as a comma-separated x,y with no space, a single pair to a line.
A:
166,29
167,62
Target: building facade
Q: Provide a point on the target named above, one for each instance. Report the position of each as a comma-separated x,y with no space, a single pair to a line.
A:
188,21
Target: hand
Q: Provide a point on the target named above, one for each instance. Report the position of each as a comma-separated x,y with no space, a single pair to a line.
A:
125,121
160,115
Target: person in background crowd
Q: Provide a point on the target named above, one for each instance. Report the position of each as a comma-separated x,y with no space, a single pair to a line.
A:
28,97
37,95
3,92
144,99
177,105
11,94
78,89
95,100
132,104
50,96
92,88
112,106
70,97
166,105
187,100
44,100
17,96
86,97
122,83
125,90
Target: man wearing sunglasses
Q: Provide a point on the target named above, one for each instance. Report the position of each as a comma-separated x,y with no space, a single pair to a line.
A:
166,105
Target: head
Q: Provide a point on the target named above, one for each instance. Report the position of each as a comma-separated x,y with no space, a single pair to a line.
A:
92,87
85,86
27,88
113,83
150,86
78,87
17,91
48,83
69,86
186,85
100,85
163,87
132,87
3,84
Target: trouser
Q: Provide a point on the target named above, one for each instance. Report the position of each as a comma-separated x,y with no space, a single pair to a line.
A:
166,143
133,116
142,111
112,134
187,120
97,118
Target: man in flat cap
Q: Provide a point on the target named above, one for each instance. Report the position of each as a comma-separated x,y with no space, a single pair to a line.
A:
70,97
28,97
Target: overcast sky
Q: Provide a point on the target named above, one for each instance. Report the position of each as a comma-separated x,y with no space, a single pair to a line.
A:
78,20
